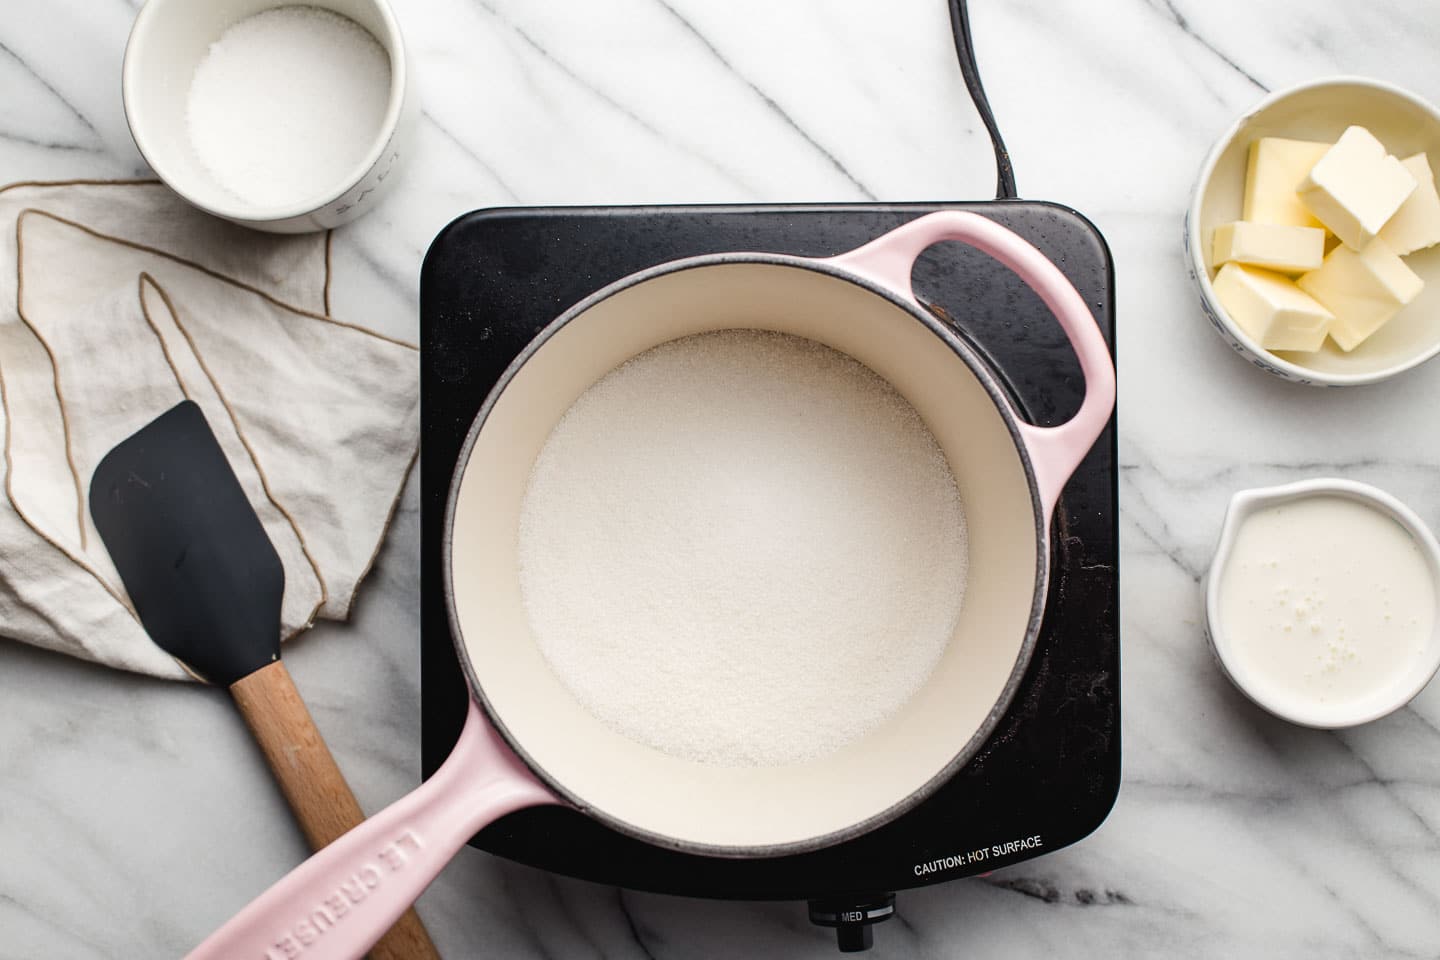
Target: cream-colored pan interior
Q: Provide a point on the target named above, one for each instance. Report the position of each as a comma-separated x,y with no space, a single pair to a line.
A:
744,809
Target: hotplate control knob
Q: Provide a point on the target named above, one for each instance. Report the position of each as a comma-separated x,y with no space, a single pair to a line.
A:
852,918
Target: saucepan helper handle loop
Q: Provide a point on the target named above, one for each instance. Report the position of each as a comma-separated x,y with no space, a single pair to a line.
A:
335,905
1055,452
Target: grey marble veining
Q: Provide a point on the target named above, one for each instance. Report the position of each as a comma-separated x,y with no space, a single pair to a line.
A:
135,815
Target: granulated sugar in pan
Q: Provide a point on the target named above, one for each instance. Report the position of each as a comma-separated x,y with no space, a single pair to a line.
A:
742,548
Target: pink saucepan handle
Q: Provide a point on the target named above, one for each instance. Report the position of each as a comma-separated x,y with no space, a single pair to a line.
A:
1055,452
335,905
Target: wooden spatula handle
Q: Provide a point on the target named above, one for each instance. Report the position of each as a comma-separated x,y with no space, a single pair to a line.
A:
313,785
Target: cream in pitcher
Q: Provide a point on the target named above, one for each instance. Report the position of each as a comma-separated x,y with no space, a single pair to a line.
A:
1325,602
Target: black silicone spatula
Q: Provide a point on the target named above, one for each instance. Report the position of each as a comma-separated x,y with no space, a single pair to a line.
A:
207,584
195,559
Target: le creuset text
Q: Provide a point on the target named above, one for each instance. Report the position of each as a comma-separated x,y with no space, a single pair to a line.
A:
979,855
324,915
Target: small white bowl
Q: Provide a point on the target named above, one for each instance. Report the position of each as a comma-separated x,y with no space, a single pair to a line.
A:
1321,110
1316,714
167,43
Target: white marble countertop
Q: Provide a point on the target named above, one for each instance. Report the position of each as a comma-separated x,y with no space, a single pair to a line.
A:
1234,834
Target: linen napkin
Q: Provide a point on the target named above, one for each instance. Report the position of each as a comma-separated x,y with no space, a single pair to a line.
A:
117,301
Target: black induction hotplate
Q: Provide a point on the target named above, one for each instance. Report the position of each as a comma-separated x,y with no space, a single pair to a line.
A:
1048,775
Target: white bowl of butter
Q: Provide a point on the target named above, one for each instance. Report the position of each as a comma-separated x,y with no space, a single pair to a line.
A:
1323,601
1319,112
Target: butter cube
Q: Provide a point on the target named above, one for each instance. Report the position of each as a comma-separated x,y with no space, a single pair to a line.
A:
1277,167
1274,246
1356,187
1416,225
1276,313
1363,290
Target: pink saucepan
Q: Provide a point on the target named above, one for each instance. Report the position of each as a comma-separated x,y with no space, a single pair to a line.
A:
527,741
